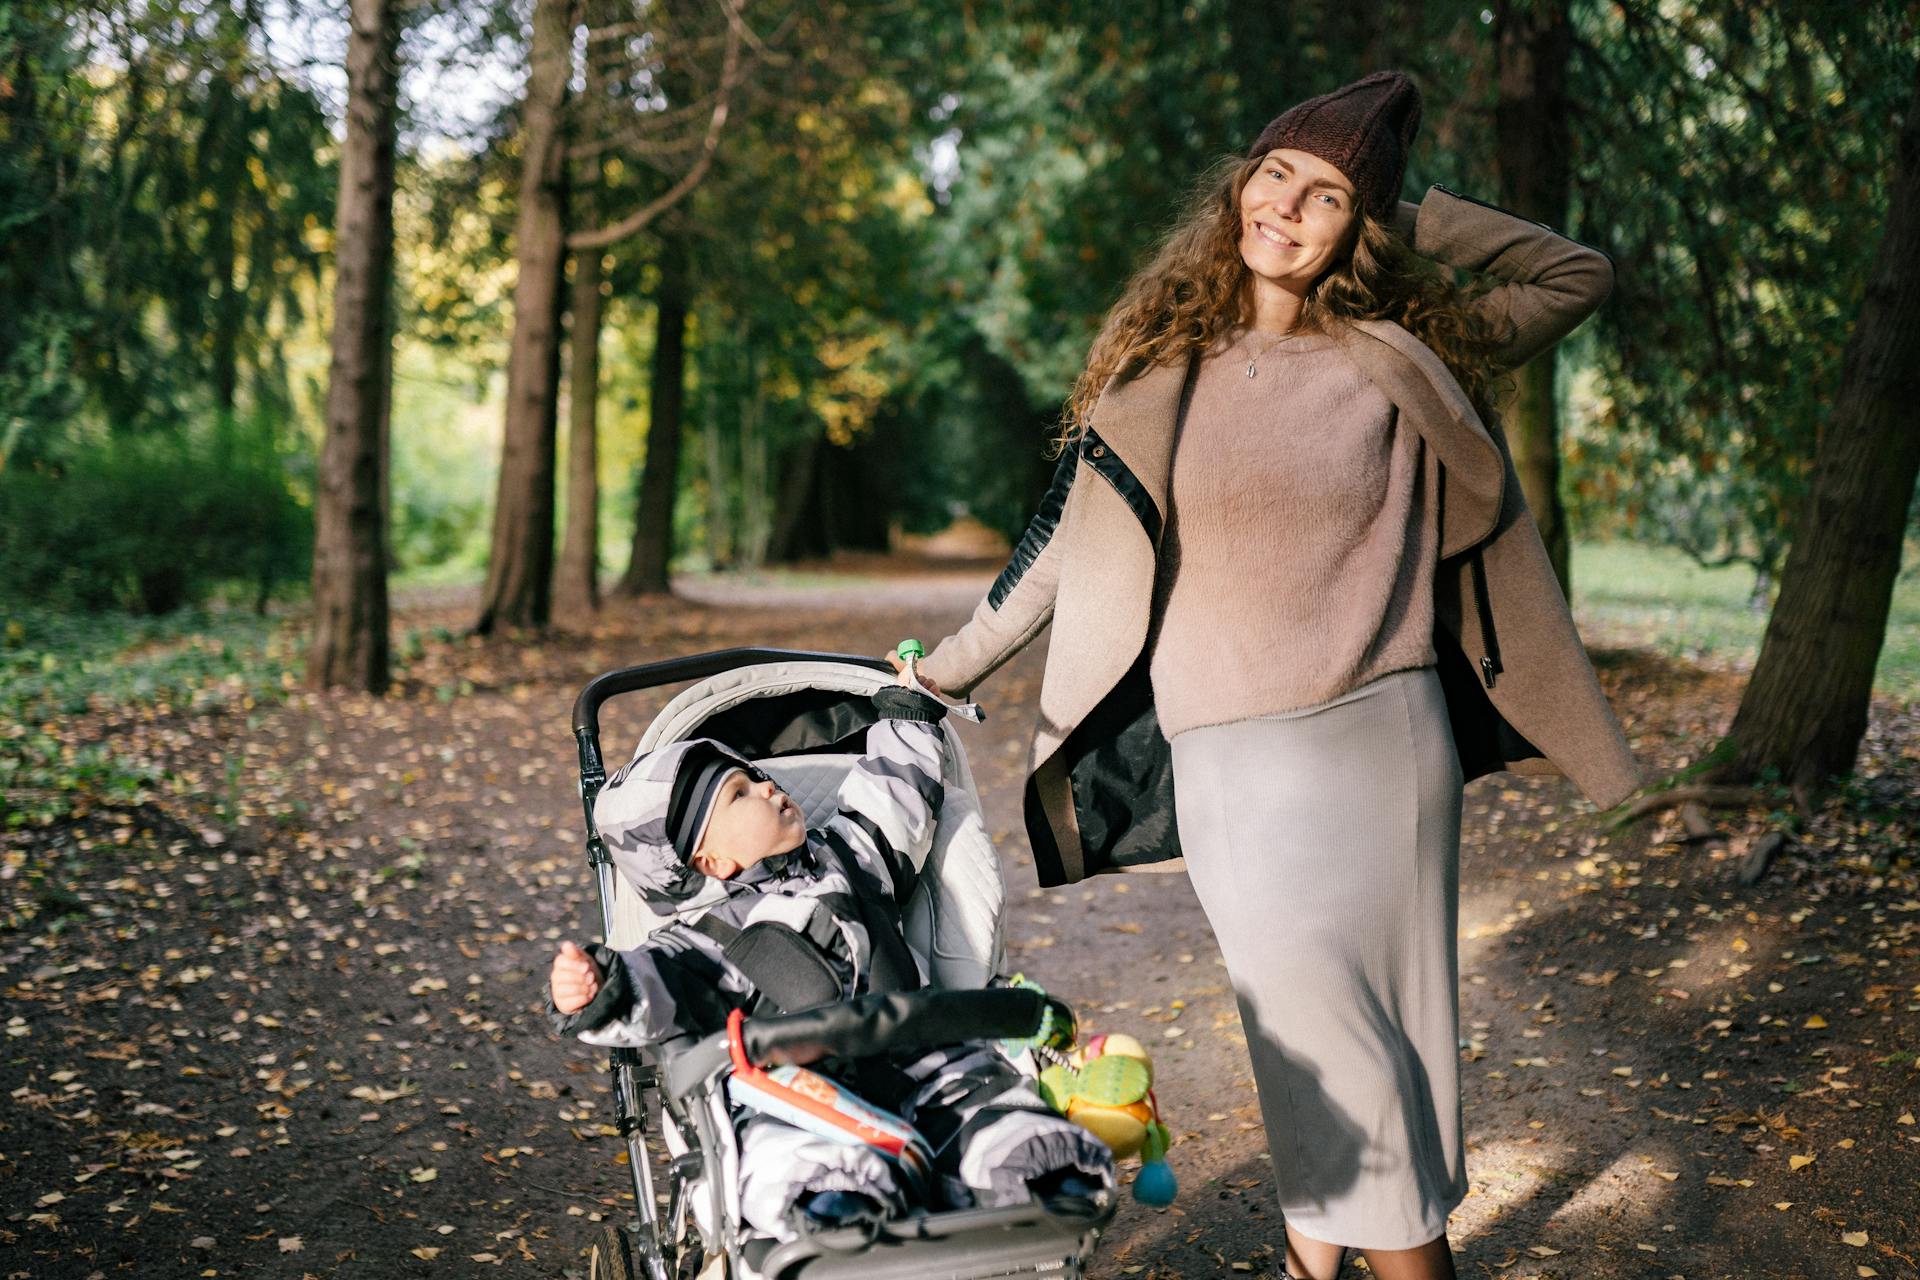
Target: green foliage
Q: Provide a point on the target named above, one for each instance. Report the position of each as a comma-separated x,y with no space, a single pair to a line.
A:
1079,128
57,666
804,244
1734,158
916,218
974,440
445,446
453,229
1063,137
45,110
154,521
160,180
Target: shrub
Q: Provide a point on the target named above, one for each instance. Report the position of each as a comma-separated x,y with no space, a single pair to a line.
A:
155,520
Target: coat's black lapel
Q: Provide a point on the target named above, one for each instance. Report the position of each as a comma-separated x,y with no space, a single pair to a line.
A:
1135,421
1096,453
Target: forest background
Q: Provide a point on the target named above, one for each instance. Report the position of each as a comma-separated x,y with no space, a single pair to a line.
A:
436,355
301,304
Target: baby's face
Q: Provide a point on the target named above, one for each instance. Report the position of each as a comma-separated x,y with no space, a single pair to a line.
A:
752,821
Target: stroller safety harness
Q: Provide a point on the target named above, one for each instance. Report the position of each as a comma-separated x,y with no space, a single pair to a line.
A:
784,963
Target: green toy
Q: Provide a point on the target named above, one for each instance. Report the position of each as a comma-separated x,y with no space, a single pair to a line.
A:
1106,1087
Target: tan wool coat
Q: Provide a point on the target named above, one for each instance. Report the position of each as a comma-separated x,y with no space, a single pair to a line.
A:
1521,692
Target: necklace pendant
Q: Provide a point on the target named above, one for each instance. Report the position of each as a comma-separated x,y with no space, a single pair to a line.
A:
1249,368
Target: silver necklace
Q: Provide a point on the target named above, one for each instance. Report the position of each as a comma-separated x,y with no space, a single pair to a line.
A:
1277,340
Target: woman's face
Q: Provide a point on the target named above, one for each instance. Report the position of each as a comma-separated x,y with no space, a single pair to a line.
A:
1297,219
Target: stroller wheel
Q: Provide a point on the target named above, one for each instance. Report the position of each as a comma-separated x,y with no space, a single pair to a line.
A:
611,1257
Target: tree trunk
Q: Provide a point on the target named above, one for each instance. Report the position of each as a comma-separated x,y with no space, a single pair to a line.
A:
794,513
577,585
660,469
1805,709
1533,150
350,646
221,158
719,513
756,520
228,166
520,564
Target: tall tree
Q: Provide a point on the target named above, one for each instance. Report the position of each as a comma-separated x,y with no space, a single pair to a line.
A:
647,563
1532,145
350,643
1805,709
679,137
576,584
1738,272
520,565
159,180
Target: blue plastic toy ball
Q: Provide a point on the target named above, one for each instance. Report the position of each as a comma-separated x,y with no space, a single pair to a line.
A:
1154,1185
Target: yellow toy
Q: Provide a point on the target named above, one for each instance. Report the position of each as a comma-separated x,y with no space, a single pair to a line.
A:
1105,1086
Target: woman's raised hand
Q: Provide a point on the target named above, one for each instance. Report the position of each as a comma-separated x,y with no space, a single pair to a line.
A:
575,979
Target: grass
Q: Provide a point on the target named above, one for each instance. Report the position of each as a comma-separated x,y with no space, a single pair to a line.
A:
1641,596
461,571
55,667
776,576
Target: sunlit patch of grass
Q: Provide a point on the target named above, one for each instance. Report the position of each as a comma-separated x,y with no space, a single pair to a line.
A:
458,572
55,667
779,576
1657,598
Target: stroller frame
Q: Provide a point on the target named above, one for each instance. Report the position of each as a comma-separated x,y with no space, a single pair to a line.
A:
1030,1239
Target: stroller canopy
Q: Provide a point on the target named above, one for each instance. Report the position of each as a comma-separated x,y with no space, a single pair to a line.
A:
805,722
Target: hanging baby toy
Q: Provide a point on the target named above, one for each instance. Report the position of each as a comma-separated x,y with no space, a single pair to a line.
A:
1104,1085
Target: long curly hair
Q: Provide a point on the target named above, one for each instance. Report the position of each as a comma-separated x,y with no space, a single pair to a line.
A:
1196,287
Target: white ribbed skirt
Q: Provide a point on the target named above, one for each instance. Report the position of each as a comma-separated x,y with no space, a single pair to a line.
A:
1324,846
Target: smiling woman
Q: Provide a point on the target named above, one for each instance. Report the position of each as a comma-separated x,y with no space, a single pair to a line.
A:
1300,221
1285,239
1294,588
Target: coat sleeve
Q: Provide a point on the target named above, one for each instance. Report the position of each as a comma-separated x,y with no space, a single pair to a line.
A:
1548,283
887,806
1018,606
667,988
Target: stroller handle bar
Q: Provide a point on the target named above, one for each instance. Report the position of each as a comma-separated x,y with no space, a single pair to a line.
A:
864,1026
698,666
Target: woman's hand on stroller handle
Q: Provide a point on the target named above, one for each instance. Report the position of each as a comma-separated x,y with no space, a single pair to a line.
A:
906,658
575,979
907,674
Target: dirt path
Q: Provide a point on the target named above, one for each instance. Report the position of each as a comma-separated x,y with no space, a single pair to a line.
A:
292,1026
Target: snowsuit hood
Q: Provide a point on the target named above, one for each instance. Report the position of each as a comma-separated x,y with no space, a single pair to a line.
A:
632,814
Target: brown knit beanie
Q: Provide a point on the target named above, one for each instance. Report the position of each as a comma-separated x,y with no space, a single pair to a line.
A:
1364,130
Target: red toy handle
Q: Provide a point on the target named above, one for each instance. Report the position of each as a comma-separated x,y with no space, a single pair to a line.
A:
737,1047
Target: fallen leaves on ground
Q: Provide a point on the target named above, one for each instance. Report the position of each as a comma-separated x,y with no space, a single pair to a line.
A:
289,1001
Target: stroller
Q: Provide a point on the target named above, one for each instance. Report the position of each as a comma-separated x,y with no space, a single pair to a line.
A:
803,718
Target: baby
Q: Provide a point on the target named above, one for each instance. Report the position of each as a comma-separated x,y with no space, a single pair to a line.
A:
793,919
